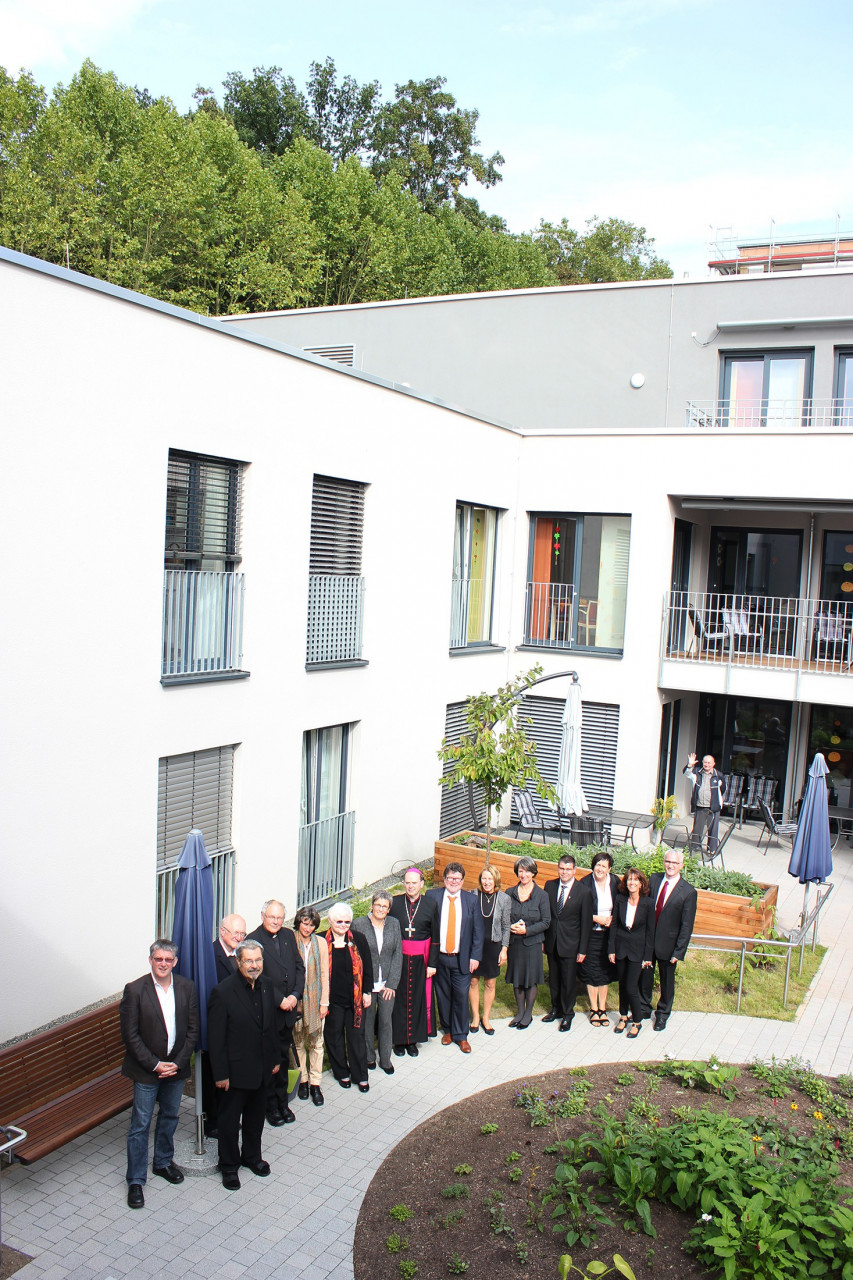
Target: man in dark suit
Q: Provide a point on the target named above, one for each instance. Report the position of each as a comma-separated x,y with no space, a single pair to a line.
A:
284,968
566,940
460,937
245,1056
675,913
159,1022
232,931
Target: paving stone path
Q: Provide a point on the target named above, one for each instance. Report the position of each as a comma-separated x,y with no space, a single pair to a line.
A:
69,1211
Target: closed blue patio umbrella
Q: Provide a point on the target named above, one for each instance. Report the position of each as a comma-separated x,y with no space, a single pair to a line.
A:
192,934
811,856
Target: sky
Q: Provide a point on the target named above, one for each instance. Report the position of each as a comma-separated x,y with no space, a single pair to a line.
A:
697,119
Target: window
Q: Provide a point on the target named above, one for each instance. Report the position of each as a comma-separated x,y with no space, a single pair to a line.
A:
335,585
462,804
472,601
326,836
599,741
578,582
195,790
843,403
763,389
202,593
836,579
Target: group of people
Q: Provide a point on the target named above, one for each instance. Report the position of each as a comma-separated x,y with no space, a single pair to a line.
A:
367,991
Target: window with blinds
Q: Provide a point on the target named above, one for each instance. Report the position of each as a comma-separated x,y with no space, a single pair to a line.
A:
203,501
194,790
599,742
457,813
337,524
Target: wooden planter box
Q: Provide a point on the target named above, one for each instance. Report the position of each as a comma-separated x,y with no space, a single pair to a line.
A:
718,914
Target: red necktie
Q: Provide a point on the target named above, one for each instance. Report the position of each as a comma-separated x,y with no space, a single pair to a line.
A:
661,900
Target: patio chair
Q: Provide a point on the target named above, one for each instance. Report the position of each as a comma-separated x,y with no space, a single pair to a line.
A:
708,858
528,818
741,635
732,796
830,636
773,827
703,636
759,789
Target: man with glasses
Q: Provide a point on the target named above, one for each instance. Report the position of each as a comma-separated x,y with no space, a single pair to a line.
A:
284,968
460,949
159,1023
675,913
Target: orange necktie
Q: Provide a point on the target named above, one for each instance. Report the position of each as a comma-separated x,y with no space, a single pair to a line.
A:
450,943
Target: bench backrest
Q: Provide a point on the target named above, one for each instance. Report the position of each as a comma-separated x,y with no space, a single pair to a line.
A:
48,1065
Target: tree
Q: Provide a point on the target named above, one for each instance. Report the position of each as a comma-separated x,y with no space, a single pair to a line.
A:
341,116
495,754
611,250
268,111
428,141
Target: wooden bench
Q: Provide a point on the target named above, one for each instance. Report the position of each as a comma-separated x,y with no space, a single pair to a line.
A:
62,1082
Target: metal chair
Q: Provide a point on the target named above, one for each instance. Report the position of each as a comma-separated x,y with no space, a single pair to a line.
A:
759,789
773,826
528,818
732,795
702,636
708,858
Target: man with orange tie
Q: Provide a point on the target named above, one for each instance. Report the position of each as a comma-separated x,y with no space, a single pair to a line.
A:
460,935
675,913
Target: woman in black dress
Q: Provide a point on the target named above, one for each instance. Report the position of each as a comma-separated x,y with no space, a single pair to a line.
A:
350,987
530,915
596,970
632,934
495,910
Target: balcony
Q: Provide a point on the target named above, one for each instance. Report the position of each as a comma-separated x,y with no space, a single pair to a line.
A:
774,415
335,619
797,649
222,862
549,615
202,623
324,868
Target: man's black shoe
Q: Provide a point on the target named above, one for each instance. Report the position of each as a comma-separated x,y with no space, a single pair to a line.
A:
412,1050
259,1168
399,1050
317,1095
371,1066
303,1090
170,1172
135,1196
566,1024
287,1116
551,1017
275,1118
661,1020
230,1180
389,1071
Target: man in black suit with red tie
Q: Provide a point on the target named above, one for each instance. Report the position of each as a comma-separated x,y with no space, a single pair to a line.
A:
675,914
566,940
244,1052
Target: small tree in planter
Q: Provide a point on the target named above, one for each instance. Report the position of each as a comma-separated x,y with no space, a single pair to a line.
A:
495,753
663,809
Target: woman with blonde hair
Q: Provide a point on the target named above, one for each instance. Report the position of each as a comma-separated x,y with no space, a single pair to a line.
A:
494,907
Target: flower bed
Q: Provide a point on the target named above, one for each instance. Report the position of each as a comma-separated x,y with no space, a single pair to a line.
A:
719,914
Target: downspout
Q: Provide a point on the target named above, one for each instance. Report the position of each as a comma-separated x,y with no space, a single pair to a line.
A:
669,353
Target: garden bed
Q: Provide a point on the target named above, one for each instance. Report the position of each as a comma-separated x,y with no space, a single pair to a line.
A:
467,1190
718,914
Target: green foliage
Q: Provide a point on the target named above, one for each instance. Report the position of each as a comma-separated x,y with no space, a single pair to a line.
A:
495,1207
452,1219
457,1266
663,809
574,1214
611,250
486,1129
774,1076
522,1252
456,1191
462,1169
495,753
712,1076
401,1213
845,1085
625,1078
408,1269
513,1157
595,1269
396,1243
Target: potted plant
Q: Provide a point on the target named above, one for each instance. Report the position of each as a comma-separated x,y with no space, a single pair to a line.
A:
662,810
495,753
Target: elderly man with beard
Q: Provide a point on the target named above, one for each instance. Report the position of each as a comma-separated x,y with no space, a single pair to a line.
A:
284,968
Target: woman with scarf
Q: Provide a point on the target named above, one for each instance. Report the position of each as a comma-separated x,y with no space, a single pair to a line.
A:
314,1005
350,985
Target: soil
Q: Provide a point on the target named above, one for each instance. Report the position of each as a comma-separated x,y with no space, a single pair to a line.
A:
423,1164
11,1261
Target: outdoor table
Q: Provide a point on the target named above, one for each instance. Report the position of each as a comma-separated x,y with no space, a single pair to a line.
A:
605,819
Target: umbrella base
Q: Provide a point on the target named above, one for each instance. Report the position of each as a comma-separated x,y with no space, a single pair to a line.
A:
189,1162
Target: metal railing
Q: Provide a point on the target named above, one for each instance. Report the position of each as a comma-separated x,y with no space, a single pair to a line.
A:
335,618
202,622
774,414
784,946
549,615
222,863
470,617
325,859
774,632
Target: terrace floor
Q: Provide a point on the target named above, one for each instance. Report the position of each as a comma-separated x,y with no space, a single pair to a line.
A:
69,1211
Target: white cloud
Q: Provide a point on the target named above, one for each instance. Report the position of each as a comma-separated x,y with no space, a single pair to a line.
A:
60,33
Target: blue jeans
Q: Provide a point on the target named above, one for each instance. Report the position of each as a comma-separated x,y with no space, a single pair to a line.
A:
168,1093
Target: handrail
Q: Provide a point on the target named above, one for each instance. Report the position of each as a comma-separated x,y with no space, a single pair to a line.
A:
797,939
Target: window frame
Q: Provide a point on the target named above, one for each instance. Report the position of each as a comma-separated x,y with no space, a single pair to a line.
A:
462,560
767,355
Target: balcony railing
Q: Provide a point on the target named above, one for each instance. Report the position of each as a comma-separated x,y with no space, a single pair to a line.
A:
772,414
773,632
325,859
549,615
202,622
222,864
335,618
470,613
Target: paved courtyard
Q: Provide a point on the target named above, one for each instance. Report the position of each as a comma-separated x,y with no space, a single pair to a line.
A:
69,1211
